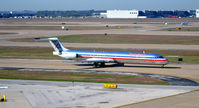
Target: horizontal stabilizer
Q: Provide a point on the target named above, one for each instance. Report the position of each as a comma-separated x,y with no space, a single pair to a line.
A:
37,38
56,44
48,39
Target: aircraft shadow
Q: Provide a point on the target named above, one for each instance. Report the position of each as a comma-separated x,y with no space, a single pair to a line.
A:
154,67
120,65
84,64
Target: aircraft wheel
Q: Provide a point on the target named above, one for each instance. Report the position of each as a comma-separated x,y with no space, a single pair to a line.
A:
96,64
102,64
121,64
162,66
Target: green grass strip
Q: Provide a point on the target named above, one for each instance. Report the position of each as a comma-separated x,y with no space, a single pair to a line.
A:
79,77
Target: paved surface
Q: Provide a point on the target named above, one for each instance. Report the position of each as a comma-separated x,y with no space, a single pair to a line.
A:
15,99
147,29
45,94
94,20
172,80
180,70
187,100
62,94
108,46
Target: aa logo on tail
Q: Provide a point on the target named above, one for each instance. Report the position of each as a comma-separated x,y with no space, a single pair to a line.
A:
58,46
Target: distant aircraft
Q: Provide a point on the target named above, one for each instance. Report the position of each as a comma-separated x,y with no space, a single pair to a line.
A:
184,23
99,58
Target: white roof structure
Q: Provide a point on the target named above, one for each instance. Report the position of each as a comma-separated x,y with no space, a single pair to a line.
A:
122,13
197,13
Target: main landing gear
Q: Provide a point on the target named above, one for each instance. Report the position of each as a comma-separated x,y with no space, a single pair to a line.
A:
162,66
97,64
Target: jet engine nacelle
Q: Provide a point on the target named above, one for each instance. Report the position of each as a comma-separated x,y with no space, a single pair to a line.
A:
57,53
69,55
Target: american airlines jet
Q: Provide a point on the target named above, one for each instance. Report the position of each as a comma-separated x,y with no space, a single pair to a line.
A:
99,58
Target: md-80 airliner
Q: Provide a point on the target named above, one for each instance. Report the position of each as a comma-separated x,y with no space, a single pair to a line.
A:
99,58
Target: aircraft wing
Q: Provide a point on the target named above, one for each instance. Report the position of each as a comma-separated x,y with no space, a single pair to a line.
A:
92,60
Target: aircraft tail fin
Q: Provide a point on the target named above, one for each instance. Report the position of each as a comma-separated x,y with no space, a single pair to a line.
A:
56,44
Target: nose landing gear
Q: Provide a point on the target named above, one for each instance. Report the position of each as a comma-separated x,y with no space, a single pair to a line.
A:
98,64
162,66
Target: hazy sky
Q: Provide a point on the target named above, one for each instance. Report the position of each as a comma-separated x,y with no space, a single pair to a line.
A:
11,5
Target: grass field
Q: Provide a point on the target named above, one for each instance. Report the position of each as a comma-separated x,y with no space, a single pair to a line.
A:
124,39
25,52
79,77
46,53
58,27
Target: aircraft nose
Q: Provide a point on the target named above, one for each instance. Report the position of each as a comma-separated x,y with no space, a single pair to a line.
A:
167,61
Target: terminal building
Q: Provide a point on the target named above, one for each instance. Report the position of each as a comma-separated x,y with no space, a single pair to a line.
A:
120,14
197,13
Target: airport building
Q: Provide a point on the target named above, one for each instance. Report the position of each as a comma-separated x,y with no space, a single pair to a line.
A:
120,14
197,13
